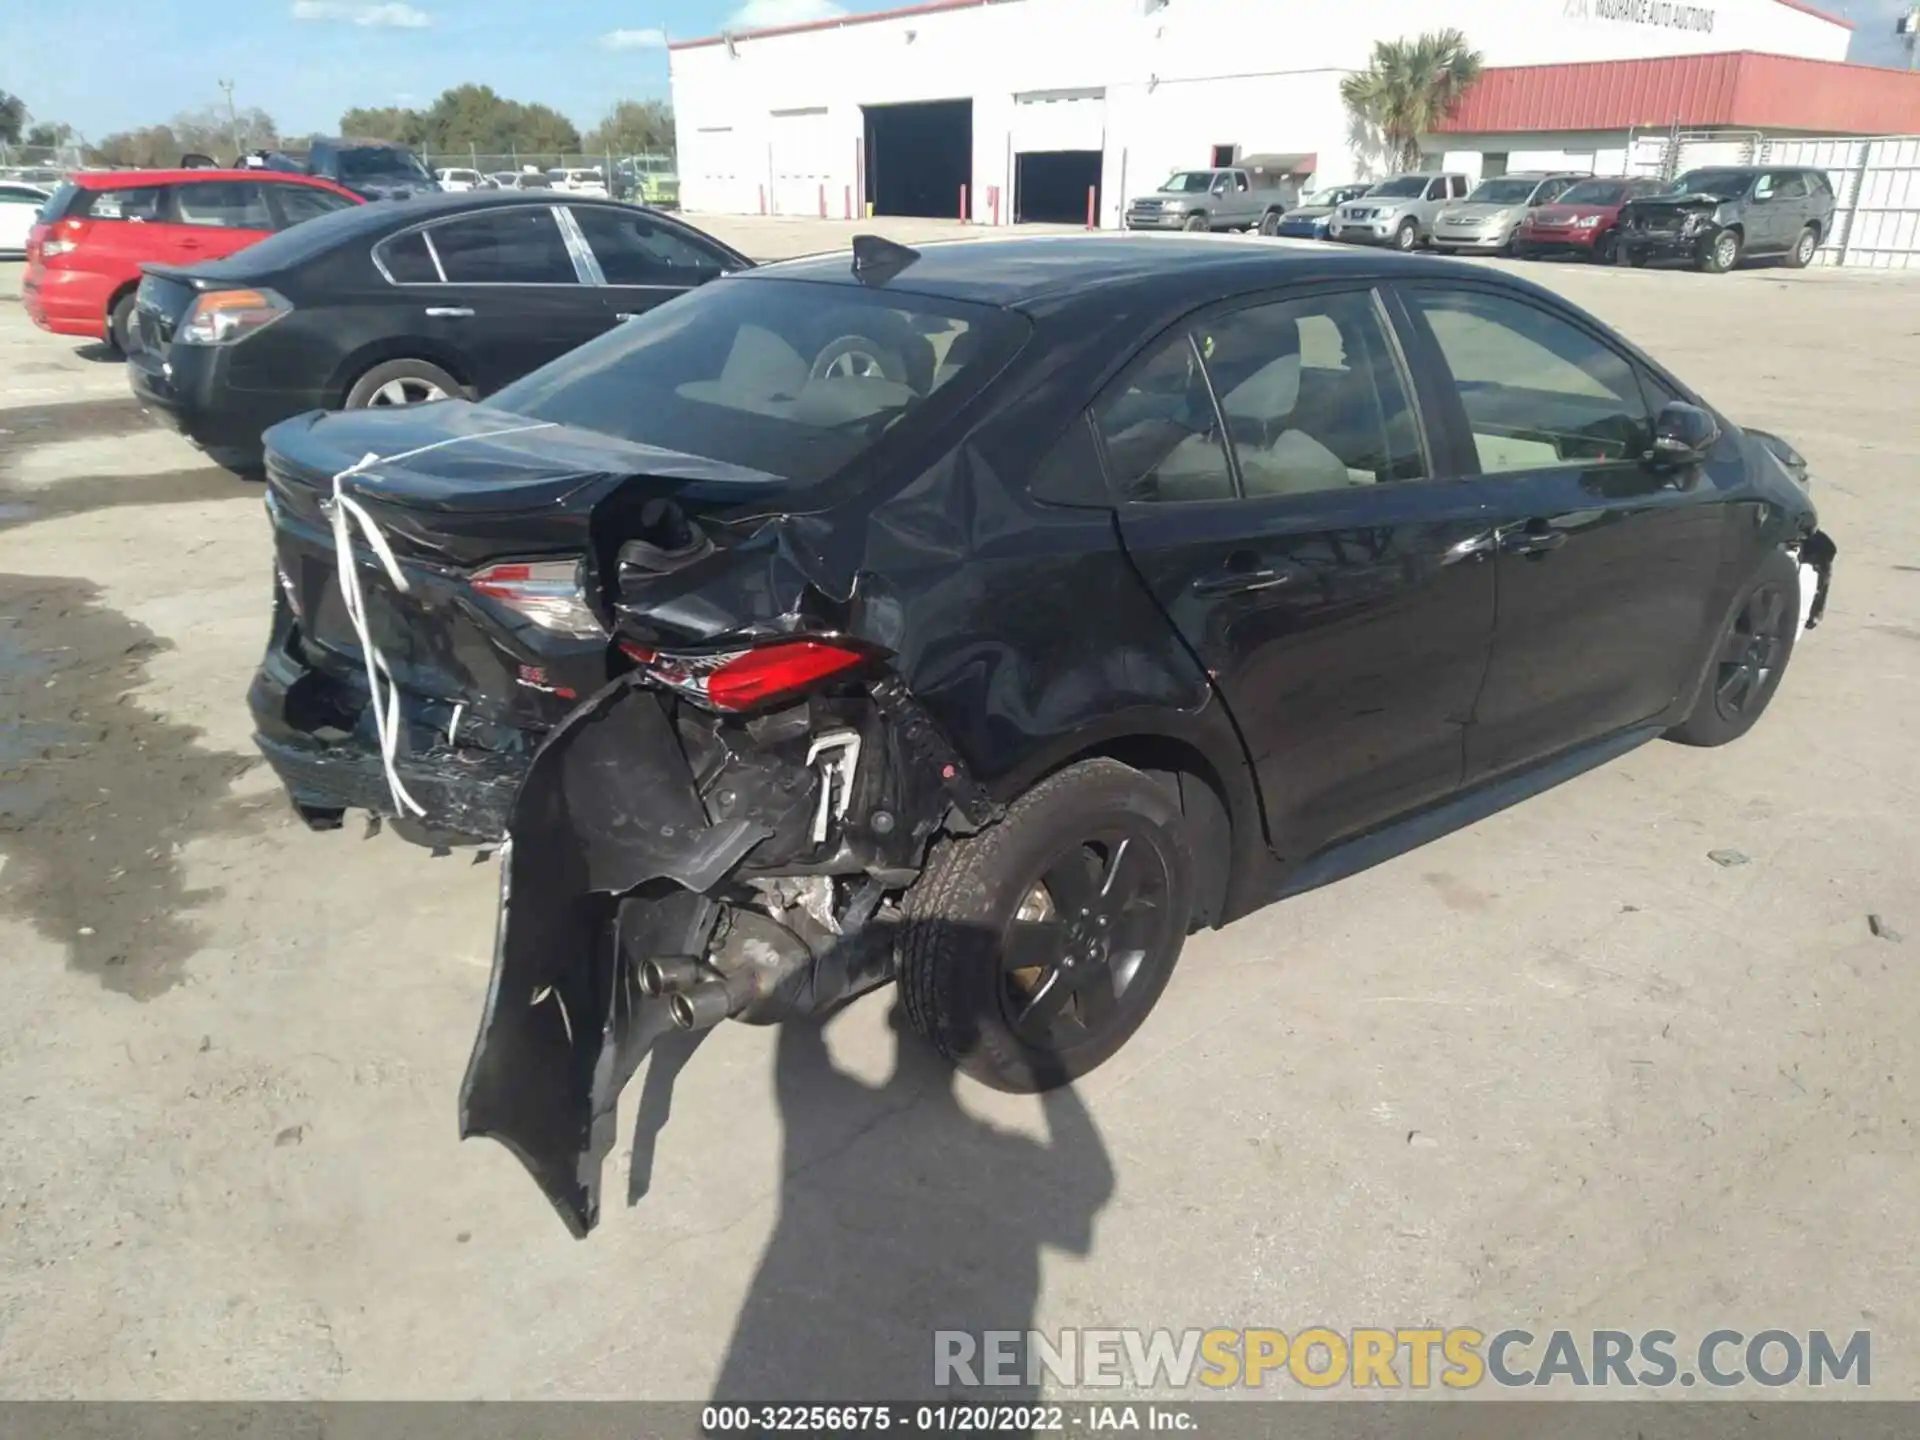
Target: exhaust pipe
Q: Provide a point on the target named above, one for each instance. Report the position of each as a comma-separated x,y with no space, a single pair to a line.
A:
668,973
705,1004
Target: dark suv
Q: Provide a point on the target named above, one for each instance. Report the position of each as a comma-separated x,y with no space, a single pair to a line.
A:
371,169
1720,216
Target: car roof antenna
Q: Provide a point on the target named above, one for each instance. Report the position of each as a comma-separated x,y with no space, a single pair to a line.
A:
876,259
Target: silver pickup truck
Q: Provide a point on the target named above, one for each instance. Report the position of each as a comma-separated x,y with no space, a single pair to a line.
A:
1205,200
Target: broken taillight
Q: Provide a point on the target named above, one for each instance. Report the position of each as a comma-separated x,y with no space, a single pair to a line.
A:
547,593
737,680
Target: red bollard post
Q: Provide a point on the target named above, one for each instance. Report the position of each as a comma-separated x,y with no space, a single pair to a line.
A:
848,199
823,199
1093,220
963,204
763,199
993,194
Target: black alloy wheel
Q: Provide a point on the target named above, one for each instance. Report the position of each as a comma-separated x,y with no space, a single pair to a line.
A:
1034,948
1749,657
1752,654
1081,935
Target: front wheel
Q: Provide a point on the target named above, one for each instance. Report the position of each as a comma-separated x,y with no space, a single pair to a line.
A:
1406,237
1606,248
1721,253
1749,658
1034,949
1197,222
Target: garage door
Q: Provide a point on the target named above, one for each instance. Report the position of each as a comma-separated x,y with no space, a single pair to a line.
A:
798,160
1060,120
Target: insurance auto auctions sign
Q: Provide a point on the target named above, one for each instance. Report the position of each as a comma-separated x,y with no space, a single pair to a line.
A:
1661,14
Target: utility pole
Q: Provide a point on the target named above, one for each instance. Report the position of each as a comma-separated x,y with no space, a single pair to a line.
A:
233,123
1907,27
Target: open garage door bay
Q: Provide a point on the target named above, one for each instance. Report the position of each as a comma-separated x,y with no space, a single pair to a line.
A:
1058,139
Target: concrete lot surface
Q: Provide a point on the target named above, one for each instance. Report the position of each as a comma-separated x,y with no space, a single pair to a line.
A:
1561,1070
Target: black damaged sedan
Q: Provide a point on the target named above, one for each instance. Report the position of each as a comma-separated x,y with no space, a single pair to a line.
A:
991,616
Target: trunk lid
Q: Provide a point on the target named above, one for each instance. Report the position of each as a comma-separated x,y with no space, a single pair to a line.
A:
471,487
163,299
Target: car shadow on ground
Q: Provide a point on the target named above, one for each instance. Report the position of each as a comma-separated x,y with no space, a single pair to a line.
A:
901,1214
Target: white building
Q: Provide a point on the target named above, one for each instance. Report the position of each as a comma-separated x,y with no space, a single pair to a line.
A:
1026,104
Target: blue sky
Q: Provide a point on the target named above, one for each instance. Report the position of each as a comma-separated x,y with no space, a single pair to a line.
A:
104,65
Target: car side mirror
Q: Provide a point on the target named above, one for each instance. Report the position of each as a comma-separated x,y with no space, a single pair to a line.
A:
1683,435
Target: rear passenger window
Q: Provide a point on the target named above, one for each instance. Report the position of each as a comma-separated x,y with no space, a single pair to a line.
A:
406,259
1161,433
141,203
514,245
1791,186
1537,390
1312,397
222,205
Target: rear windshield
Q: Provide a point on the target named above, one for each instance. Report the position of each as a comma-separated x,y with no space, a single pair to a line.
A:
59,200
1503,192
1594,192
793,378
378,162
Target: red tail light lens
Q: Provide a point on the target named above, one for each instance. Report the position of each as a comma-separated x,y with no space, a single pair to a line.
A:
63,238
546,592
737,680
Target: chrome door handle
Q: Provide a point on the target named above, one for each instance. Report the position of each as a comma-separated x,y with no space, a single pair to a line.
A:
449,312
1531,542
1235,582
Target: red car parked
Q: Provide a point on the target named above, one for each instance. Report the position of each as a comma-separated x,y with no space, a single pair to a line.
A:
1581,221
85,253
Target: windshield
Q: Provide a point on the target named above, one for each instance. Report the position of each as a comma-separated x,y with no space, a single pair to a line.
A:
1594,192
380,162
1190,182
1332,197
1721,184
793,378
1503,192
1400,187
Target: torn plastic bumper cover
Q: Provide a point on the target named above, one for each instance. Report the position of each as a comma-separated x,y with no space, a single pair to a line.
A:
608,808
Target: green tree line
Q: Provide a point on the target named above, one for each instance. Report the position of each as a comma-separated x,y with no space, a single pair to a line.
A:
466,118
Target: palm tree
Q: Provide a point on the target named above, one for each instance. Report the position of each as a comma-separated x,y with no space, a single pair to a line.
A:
1410,86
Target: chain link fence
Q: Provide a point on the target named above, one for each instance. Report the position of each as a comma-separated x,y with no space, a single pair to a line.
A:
40,164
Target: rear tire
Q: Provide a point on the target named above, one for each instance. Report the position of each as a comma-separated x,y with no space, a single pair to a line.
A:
1801,255
401,382
120,325
1270,223
1749,657
1090,877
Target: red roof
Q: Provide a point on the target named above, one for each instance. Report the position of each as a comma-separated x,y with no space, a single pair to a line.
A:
1738,88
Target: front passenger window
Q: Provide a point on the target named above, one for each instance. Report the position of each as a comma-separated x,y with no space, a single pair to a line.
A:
1538,391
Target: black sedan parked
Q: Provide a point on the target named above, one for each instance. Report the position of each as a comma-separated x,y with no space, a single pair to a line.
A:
990,617
436,296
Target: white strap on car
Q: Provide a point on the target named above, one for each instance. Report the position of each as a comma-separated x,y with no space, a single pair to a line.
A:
347,514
